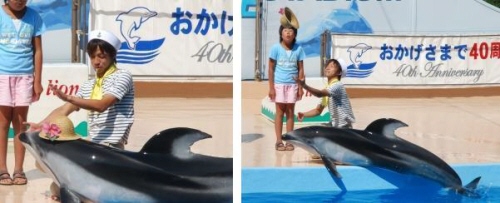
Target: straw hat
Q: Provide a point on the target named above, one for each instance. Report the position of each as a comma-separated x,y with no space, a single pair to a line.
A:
107,37
59,128
288,18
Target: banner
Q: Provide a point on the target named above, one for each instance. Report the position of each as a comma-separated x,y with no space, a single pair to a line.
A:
169,38
419,60
379,17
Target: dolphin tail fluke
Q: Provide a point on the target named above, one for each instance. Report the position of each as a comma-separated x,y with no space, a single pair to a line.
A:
473,184
174,141
135,39
132,42
469,190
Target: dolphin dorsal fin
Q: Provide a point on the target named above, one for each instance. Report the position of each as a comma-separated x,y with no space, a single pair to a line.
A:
175,141
385,127
354,5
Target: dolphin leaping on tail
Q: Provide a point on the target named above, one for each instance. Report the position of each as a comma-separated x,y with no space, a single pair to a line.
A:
377,146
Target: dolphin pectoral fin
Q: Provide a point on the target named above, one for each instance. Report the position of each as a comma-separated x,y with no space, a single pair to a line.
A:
332,168
386,127
68,196
175,141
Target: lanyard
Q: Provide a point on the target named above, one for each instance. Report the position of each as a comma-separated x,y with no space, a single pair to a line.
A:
324,100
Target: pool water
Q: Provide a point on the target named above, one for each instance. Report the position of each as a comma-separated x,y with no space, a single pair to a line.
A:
390,195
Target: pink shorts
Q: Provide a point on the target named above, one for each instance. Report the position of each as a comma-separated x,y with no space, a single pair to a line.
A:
16,90
286,93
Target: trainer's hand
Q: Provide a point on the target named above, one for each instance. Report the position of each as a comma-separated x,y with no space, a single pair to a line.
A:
300,116
300,81
33,126
59,93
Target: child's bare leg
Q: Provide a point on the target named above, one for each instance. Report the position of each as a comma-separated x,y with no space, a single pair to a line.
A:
290,110
289,123
5,118
278,121
19,116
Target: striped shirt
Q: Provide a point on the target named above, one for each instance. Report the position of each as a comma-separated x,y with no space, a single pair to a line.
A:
339,106
113,125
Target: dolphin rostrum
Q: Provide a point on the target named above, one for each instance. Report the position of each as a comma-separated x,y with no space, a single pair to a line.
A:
377,146
164,170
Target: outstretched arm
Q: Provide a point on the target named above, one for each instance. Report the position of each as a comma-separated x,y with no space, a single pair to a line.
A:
311,113
312,90
88,104
64,110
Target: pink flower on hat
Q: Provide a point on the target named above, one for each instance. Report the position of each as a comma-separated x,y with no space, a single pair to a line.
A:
51,131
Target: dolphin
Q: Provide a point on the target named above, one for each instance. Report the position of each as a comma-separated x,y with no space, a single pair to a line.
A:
355,53
131,22
164,170
377,146
348,20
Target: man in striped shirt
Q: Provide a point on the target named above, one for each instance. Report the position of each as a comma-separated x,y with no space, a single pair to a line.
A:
109,97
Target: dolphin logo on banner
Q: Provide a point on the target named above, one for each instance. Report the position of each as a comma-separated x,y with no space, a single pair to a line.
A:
135,49
131,21
356,52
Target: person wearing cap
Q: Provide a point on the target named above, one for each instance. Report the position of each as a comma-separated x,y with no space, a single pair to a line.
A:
334,96
109,97
285,62
21,57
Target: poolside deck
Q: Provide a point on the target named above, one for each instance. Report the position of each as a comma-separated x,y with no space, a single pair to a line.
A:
459,129
153,114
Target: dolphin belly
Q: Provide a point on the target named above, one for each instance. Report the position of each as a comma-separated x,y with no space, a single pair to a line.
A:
339,153
91,186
